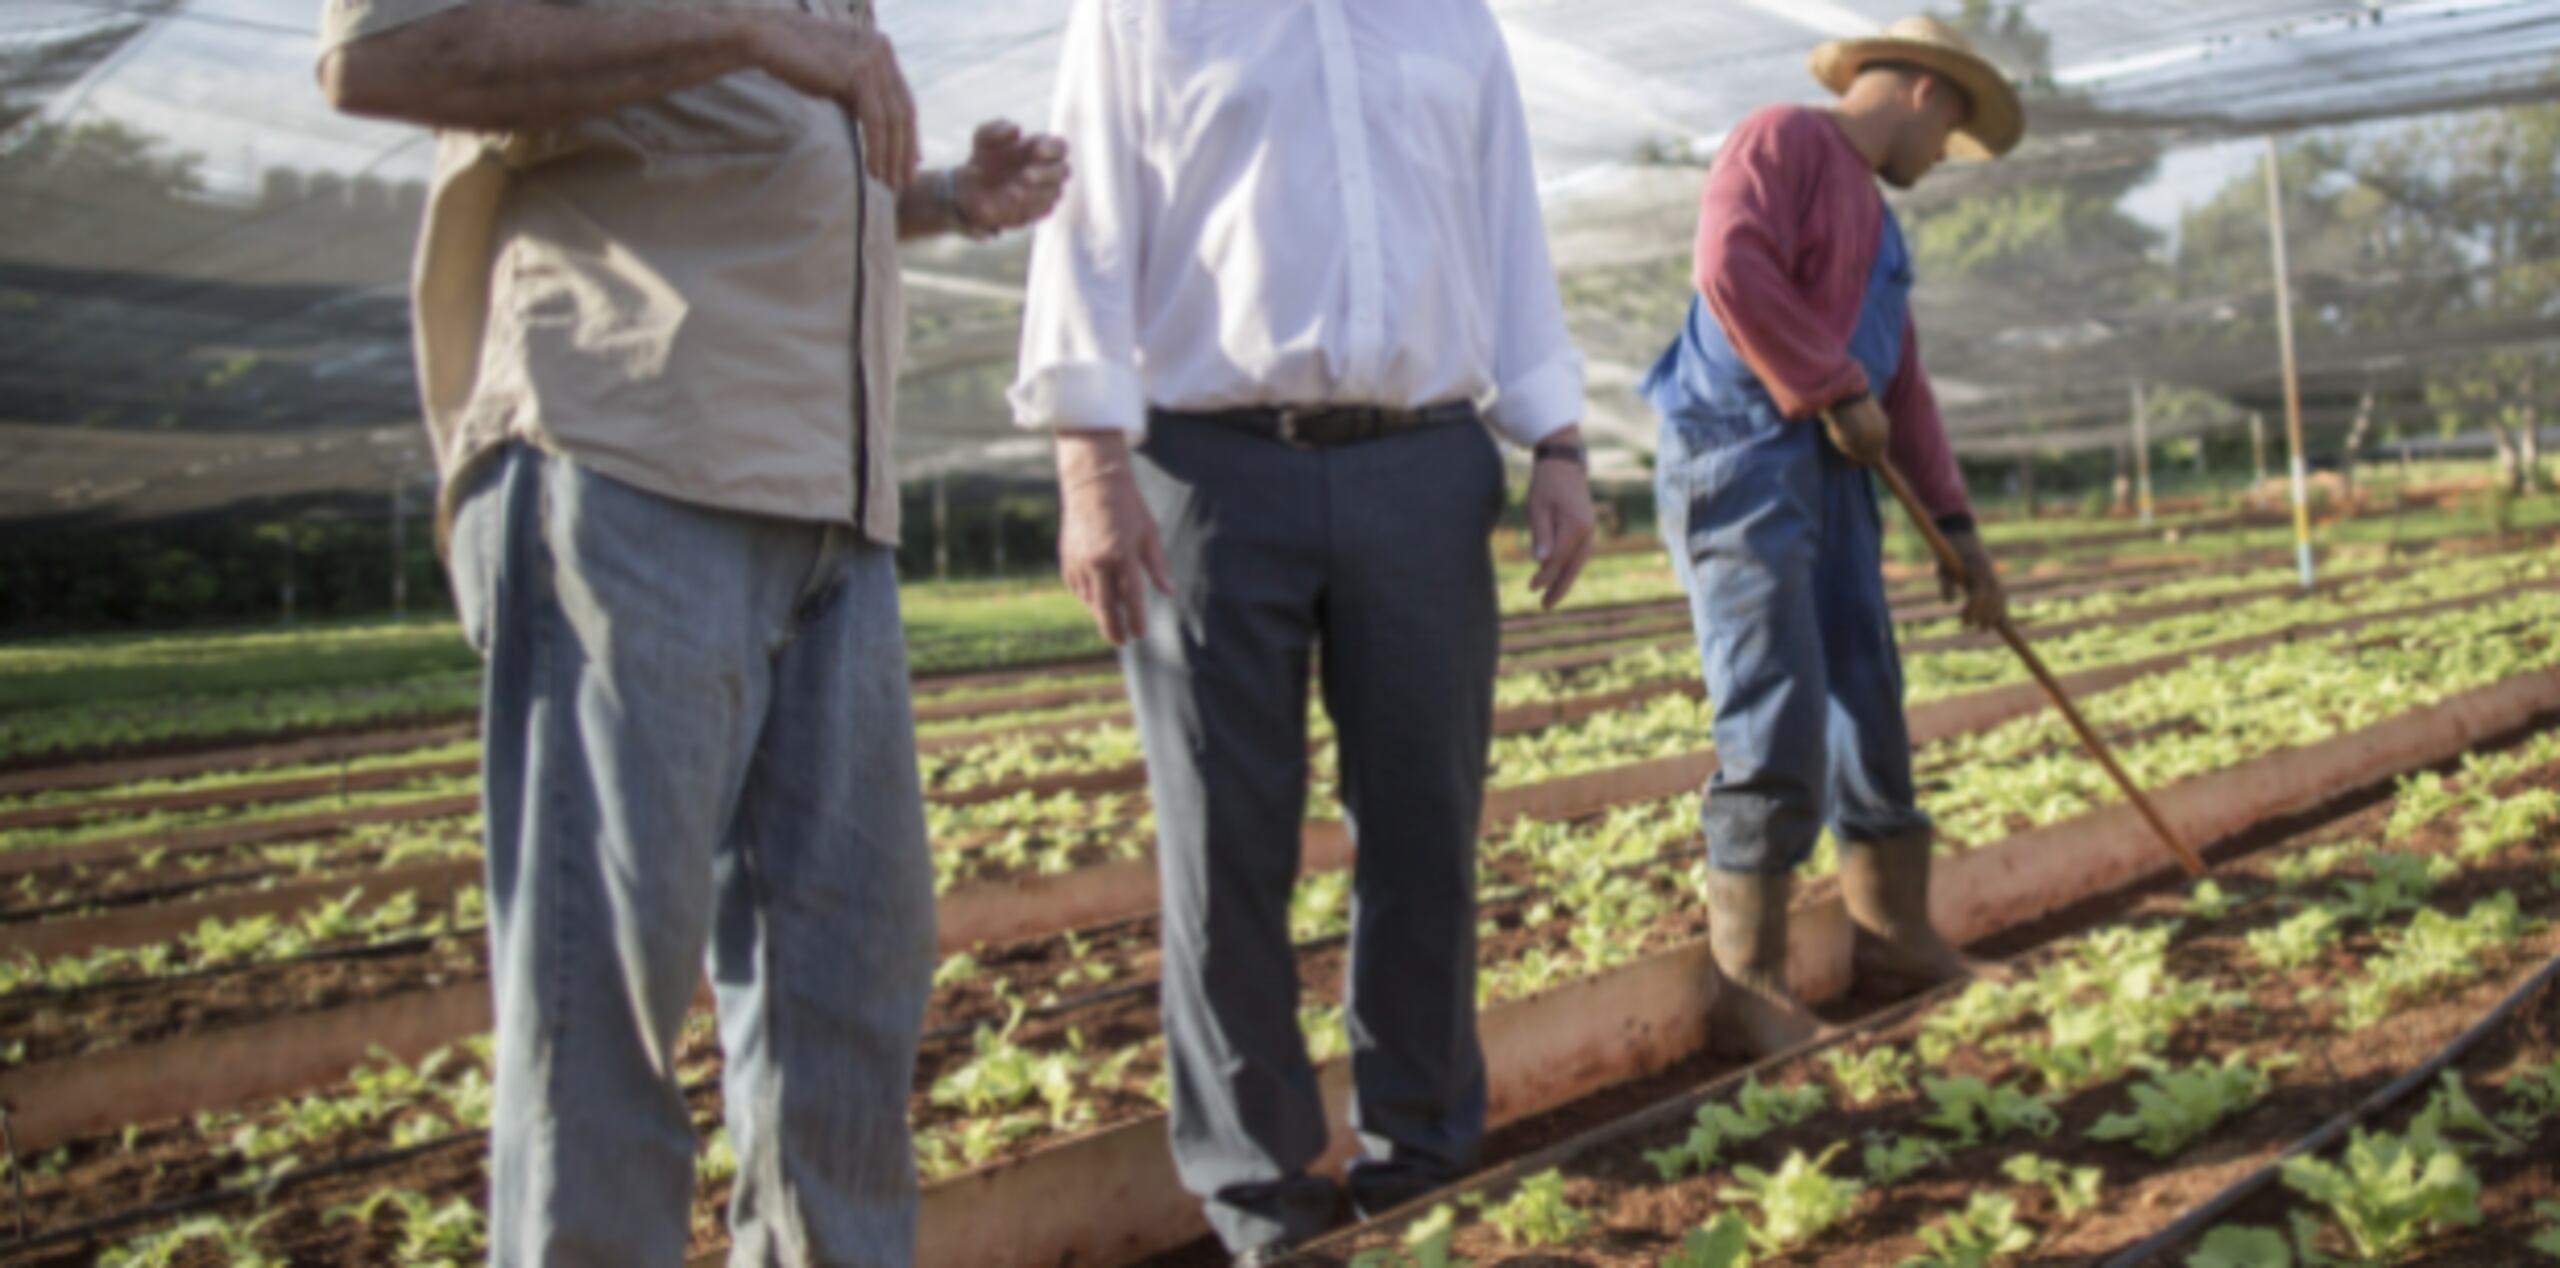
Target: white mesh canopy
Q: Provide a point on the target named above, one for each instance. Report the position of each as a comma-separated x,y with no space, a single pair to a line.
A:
200,278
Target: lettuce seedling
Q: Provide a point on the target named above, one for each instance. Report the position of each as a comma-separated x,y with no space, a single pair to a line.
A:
2073,1189
1722,1242
2175,1107
2388,1191
1986,1232
1797,1201
1538,1213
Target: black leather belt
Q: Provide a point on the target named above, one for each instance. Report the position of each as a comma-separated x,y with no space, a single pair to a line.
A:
1323,426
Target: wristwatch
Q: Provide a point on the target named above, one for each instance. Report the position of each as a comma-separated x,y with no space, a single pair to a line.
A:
1560,451
946,190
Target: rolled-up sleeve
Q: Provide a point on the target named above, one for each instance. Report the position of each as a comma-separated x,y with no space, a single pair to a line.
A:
345,21
1079,321
1537,370
1747,228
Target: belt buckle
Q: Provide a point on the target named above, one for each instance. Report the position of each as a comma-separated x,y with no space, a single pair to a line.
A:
1285,420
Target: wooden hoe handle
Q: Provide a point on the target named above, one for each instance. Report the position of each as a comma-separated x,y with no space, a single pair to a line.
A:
1954,564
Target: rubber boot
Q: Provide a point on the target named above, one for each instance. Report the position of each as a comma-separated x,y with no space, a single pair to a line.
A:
1754,1013
1885,884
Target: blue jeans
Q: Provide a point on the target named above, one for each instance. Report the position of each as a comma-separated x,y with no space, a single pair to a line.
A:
1778,541
697,739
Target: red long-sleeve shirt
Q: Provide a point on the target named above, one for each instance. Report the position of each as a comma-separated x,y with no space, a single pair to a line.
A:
1787,233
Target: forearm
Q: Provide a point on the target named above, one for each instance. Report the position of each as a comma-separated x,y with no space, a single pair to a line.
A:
501,67
922,210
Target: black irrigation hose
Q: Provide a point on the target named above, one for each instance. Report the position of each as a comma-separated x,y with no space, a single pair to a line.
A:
100,905
89,1230
2200,1218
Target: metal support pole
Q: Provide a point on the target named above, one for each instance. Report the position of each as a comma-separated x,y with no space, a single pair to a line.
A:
400,545
942,528
2257,450
2292,381
2141,454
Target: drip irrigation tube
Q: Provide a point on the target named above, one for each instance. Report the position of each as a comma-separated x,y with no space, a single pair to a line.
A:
367,951
264,1190
2202,1217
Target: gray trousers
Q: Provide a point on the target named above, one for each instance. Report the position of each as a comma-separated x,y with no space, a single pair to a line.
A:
699,750
1380,553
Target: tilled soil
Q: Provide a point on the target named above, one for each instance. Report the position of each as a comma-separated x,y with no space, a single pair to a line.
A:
1640,1218
2511,1183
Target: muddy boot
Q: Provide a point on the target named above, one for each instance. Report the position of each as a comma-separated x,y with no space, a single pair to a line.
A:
1754,1013
1886,887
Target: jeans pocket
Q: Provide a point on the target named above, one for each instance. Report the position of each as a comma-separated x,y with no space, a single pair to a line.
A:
478,544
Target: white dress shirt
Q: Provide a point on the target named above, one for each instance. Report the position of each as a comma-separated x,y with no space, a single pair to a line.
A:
1292,202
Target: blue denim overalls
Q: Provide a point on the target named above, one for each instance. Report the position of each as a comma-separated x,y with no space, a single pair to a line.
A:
1778,539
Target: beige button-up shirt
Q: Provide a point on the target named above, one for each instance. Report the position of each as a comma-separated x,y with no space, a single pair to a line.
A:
697,296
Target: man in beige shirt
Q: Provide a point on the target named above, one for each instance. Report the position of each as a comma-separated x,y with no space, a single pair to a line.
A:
658,325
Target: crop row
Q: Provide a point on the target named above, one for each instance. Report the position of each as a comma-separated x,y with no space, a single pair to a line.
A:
2011,778
2051,1113
999,1075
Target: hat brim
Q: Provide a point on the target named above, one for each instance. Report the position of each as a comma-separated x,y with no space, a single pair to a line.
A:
1998,120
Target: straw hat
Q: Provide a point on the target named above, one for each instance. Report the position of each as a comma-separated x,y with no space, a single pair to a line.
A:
1997,120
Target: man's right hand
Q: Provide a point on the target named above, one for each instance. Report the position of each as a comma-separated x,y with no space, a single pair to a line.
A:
853,66
1108,547
1859,429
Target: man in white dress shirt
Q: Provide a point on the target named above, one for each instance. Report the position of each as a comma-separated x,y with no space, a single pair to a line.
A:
1299,272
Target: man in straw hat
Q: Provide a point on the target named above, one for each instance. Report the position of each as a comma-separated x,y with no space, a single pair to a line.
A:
1801,318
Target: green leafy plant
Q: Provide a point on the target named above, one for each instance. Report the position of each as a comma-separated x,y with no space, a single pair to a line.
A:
1986,1232
1424,1245
1797,1202
2174,1108
2499,822
1538,1213
2294,941
2533,1094
2311,864
2548,1240
1002,1075
956,968
1897,1160
2400,882
2242,1246
2417,802
1755,1112
1975,1013
1967,1107
2208,901
2450,1108
237,1243
2387,1191
1721,1242
2433,948
447,1236
1870,1075
2073,1189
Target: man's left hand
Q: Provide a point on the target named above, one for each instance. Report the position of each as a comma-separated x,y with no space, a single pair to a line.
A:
1561,522
1011,179
1985,603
